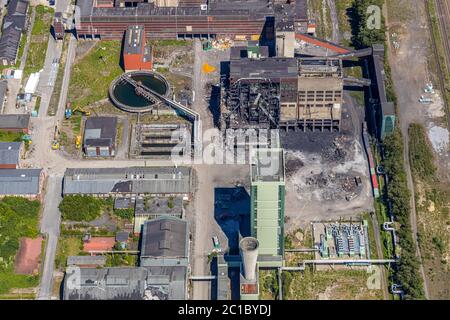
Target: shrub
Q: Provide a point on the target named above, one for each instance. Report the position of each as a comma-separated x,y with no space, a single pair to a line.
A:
80,208
124,213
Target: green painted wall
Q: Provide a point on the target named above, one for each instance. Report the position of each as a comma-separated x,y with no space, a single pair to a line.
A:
267,216
387,126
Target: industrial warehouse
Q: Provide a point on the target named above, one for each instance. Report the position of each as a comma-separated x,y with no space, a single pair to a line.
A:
244,20
285,93
214,150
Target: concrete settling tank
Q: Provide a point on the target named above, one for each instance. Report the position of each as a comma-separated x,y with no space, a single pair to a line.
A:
125,97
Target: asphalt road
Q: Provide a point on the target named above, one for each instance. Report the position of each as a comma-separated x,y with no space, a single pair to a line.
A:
50,224
51,64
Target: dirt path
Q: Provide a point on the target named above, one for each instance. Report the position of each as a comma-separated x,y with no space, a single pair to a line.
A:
408,85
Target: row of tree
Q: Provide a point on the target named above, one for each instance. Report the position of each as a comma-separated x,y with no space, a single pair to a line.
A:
367,30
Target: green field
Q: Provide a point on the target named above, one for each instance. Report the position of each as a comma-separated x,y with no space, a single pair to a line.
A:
39,40
92,75
18,218
67,246
7,136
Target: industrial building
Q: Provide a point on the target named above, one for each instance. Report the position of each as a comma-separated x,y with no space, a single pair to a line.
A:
21,182
160,140
383,111
100,137
165,242
162,274
236,19
10,153
128,182
14,25
86,261
15,123
267,205
278,92
136,54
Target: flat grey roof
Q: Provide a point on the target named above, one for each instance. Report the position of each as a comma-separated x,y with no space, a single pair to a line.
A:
264,68
268,165
14,121
132,180
170,206
100,131
166,237
19,181
86,260
134,40
10,152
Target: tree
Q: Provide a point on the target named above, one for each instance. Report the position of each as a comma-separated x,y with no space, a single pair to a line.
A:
80,208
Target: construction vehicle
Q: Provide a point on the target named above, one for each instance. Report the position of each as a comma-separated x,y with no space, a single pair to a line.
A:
216,244
55,143
69,112
78,142
429,88
424,100
206,45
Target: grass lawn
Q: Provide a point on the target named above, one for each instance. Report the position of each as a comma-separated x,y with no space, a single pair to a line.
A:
92,75
331,284
67,246
54,100
18,218
7,136
39,40
9,280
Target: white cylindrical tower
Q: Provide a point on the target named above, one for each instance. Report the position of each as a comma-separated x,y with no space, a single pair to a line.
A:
249,254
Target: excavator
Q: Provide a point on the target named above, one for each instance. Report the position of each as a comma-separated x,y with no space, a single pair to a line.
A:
69,111
78,142
55,143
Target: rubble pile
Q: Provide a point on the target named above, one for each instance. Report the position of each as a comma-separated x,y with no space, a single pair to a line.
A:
334,186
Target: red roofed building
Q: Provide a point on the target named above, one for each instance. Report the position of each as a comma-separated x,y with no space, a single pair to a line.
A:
99,244
136,55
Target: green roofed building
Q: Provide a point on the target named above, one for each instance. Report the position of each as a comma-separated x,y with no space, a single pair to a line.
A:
267,205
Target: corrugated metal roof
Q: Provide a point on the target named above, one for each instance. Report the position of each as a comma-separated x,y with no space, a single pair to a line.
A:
9,152
86,260
156,180
165,236
140,283
14,23
15,121
19,181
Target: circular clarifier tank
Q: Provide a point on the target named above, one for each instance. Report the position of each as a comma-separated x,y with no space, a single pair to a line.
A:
124,96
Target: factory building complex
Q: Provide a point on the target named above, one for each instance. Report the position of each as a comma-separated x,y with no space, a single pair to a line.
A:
282,92
267,85
237,19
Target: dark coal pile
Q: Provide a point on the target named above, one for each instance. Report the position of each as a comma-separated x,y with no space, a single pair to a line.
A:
336,151
292,165
313,142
